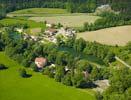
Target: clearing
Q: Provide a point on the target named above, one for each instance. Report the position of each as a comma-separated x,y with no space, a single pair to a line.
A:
37,87
110,36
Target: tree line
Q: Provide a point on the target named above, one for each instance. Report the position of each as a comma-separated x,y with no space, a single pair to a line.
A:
108,19
83,6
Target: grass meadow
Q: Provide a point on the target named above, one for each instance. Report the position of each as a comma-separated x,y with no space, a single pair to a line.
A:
55,16
37,87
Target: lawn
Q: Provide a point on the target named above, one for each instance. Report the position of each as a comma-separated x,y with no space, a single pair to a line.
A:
110,36
38,87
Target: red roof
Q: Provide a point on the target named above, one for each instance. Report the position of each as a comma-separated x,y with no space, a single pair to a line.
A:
52,30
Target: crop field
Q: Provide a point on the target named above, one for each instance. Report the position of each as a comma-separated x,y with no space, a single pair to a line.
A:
74,20
110,36
37,87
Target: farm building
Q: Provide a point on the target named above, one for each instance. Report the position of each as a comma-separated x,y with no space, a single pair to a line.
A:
51,31
40,62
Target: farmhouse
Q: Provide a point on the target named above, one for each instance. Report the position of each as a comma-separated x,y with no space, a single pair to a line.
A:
20,30
40,62
51,31
49,25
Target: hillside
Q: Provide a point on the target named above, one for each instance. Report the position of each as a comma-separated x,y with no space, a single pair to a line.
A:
37,87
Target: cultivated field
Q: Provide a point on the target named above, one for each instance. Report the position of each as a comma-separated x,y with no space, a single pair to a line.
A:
73,20
37,87
111,36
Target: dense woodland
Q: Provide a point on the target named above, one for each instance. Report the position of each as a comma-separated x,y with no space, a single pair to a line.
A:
71,5
72,54
109,19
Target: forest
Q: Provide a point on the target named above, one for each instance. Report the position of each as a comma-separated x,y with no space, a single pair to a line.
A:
83,6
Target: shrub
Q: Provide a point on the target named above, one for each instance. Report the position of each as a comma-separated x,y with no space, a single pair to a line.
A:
2,66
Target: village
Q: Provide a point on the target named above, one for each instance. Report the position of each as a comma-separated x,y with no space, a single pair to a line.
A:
50,34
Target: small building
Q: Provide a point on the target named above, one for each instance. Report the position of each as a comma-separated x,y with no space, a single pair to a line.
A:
48,25
51,31
20,30
40,62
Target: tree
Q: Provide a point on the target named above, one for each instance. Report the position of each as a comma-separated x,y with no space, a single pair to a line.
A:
23,73
79,45
34,67
26,63
119,85
59,74
2,66
83,65
49,71
79,81
67,80
110,57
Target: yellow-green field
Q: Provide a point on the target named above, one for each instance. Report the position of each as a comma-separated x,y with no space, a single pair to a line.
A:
38,12
31,24
37,87
110,36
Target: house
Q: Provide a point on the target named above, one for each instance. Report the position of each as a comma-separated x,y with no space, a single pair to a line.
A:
40,62
66,31
48,25
51,31
20,30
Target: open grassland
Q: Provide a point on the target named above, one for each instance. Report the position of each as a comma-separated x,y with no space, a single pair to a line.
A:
12,21
37,87
110,36
74,20
54,16
33,27
38,12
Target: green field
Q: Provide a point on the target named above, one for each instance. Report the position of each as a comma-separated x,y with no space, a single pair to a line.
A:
31,24
38,87
38,12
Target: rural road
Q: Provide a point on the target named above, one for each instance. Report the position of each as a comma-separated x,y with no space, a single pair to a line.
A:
118,59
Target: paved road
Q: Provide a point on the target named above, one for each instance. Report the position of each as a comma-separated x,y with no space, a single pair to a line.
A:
124,63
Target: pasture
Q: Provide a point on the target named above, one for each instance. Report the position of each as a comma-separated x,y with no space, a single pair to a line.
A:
110,36
12,21
33,27
38,12
37,87
55,16
72,20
